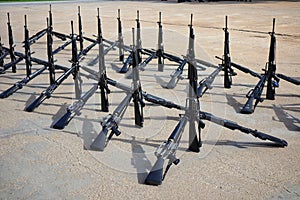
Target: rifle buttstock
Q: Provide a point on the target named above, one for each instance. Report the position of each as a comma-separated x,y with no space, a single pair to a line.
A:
63,121
155,177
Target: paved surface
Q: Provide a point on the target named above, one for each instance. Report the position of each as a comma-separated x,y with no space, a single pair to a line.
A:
37,162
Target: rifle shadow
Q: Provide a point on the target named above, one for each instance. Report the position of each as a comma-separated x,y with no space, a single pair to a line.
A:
140,161
30,99
88,133
286,118
231,101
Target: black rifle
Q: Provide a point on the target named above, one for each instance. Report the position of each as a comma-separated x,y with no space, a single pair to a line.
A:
50,53
168,149
74,109
141,66
272,80
243,69
19,85
75,64
176,75
62,47
11,47
126,64
234,126
102,71
148,97
80,30
193,102
160,46
37,36
190,58
120,38
111,123
27,49
228,71
254,94
137,87
129,60
138,37
3,54
289,79
72,70
205,83
269,77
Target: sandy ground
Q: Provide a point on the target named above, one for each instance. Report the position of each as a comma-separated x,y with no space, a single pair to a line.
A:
37,162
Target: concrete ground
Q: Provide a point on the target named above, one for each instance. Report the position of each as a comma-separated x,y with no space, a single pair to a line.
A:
38,162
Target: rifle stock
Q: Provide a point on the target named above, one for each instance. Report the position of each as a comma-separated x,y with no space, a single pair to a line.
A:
47,93
205,83
74,109
155,177
166,151
63,121
254,94
176,76
126,64
111,122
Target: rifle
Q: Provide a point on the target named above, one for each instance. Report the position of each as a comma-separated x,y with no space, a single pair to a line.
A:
72,70
269,77
254,94
120,38
111,123
137,88
205,83
75,64
243,69
289,79
19,85
74,109
160,46
166,151
129,61
193,102
37,36
50,53
234,126
226,63
11,47
80,30
143,64
176,75
148,97
138,35
102,71
272,80
190,58
27,49
3,54
126,64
